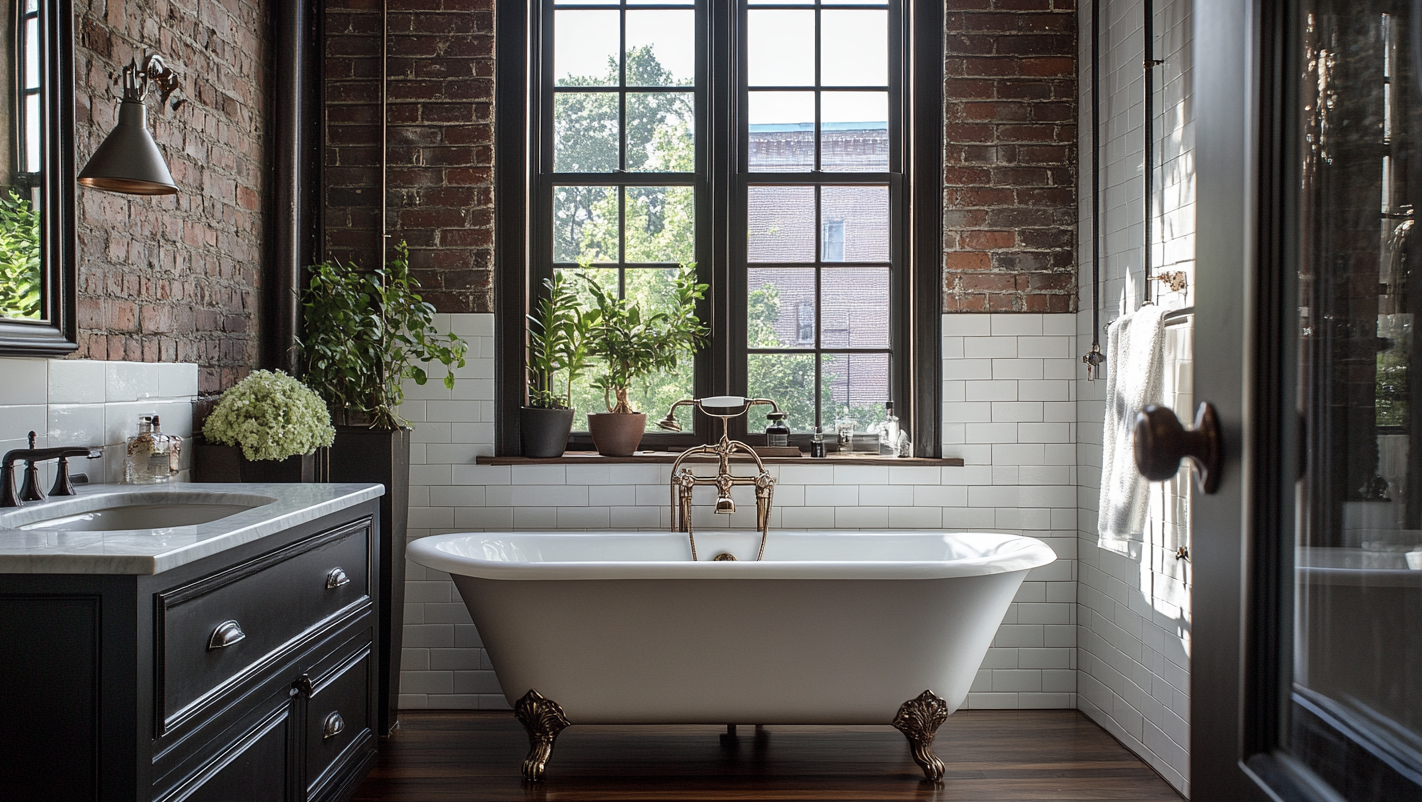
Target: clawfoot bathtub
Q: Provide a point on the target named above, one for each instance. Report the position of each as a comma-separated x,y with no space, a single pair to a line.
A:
830,628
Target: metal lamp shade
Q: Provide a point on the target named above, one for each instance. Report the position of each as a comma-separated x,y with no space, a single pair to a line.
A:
128,160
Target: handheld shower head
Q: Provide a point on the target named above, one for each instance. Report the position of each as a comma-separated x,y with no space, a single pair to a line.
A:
669,422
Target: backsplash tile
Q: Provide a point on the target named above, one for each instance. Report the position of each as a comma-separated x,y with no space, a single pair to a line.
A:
93,403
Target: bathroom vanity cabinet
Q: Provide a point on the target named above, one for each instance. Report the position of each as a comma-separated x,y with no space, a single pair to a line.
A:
248,674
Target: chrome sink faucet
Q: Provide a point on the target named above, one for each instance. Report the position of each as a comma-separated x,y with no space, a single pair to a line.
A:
30,490
683,481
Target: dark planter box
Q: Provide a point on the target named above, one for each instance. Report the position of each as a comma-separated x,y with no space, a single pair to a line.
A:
219,463
382,455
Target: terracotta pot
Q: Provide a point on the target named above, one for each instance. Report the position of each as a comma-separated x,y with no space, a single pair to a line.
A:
543,433
617,434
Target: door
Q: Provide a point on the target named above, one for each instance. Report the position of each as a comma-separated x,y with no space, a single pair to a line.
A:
1307,652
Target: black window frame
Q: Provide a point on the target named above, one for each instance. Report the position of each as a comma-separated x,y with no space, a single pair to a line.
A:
523,258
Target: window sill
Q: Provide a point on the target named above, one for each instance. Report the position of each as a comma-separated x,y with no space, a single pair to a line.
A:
667,457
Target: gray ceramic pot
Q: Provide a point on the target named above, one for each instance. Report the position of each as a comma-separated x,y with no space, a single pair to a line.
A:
543,433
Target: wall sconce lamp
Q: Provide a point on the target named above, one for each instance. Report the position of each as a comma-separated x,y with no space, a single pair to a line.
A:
128,160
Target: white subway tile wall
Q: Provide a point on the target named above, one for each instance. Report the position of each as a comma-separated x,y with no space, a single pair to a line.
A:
93,403
1018,443
1134,604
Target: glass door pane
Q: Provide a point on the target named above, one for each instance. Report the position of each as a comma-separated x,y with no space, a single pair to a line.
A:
1357,585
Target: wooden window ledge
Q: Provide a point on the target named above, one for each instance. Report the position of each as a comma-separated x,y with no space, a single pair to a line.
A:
667,457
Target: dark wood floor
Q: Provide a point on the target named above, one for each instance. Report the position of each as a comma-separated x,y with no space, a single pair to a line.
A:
990,755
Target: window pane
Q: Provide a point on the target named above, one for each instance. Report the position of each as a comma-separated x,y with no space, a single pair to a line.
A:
781,224
861,215
789,381
32,133
782,131
781,47
856,307
585,224
854,132
661,48
585,132
585,47
854,48
661,132
32,49
781,308
661,224
858,385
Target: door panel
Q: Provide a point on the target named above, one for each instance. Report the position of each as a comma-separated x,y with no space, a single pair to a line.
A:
1307,661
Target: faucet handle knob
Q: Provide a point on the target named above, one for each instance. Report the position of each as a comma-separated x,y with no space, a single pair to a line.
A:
32,440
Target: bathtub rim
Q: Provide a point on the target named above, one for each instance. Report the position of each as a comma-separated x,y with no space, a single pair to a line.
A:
425,551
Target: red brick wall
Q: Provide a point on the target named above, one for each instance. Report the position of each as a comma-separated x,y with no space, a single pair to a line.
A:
441,142
177,278
1010,156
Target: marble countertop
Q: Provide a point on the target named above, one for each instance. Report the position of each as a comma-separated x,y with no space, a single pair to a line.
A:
153,551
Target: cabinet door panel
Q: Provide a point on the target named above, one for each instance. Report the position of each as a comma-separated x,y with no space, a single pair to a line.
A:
257,766
338,721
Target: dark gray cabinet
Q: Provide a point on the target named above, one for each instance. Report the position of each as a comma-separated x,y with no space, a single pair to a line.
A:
247,675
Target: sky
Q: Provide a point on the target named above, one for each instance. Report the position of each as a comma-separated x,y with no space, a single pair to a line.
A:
781,52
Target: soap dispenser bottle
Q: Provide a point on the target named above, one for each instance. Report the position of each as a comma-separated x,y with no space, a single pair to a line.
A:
777,433
151,457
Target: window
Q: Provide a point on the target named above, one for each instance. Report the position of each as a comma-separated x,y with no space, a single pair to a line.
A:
27,60
769,143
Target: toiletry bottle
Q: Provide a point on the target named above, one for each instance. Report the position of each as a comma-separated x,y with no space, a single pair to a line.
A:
817,446
844,427
777,433
889,431
151,457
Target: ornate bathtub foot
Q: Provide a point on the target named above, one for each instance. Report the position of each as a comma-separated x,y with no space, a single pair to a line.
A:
543,719
918,719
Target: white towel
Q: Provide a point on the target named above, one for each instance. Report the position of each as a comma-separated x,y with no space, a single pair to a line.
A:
1135,377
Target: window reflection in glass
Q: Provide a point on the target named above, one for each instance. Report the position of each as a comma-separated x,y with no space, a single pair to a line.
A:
21,275
1358,578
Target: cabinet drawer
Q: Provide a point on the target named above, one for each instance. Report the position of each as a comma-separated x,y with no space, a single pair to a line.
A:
338,720
223,628
253,767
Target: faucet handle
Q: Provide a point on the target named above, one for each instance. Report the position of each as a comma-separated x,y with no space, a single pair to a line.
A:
32,440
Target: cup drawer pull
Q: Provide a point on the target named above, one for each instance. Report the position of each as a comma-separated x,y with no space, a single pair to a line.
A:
336,578
226,634
335,725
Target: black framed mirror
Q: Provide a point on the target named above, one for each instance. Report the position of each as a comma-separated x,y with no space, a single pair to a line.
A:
37,239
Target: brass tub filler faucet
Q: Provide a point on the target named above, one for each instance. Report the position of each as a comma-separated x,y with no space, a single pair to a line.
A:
683,481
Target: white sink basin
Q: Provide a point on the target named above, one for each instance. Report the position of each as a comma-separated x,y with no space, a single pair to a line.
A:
127,511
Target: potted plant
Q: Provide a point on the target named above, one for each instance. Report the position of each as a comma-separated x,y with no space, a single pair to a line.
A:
630,344
366,333
557,355
277,422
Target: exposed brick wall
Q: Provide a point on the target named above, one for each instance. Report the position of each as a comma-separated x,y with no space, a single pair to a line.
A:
177,278
441,142
1010,156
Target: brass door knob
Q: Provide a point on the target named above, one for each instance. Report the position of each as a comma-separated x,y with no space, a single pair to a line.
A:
1161,442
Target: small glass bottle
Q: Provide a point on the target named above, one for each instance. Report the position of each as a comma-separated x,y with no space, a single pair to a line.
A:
817,443
844,428
777,433
151,457
889,431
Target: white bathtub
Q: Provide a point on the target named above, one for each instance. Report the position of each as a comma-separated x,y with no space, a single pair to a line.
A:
830,628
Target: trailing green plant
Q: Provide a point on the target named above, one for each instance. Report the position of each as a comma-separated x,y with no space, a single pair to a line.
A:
557,344
368,331
20,282
271,416
630,344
